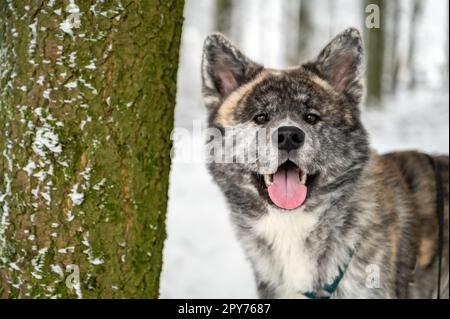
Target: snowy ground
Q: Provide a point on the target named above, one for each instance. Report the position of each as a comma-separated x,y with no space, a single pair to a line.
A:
202,258
412,120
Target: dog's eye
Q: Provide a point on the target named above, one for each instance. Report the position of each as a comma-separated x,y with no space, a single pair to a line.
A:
312,118
261,119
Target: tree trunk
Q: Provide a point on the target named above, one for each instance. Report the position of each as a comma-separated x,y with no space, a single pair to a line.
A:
87,93
393,65
375,45
414,26
223,15
306,29
447,49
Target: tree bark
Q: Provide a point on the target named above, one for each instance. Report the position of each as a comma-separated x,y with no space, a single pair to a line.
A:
87,93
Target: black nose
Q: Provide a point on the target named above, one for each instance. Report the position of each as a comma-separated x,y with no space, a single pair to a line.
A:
289,138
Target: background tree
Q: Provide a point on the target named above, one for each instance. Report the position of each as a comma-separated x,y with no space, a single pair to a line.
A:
392,68
417,8
375,51
306,29
447,47
87,93
223,15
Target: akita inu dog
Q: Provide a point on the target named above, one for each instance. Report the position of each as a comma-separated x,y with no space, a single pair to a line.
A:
320,214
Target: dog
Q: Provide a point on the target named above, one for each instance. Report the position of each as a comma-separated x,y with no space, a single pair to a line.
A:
319,213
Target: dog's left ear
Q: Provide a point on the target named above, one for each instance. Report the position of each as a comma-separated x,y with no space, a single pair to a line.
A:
341,64
224,69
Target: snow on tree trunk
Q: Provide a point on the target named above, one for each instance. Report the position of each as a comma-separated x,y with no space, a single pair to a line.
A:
87,92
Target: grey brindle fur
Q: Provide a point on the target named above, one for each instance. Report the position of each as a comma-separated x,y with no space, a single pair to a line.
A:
381,207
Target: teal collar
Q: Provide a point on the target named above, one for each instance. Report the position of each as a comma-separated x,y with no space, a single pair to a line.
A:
326,291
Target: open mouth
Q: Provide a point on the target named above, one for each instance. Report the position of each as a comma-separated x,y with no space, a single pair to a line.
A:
288,187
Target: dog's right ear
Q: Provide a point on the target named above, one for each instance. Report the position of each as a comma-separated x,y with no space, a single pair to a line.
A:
224,69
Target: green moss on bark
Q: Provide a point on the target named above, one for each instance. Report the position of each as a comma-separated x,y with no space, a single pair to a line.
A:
86,120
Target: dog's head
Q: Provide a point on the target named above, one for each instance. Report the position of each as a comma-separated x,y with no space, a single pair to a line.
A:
303,123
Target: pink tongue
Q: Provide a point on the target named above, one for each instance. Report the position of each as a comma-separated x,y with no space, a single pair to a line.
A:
286,190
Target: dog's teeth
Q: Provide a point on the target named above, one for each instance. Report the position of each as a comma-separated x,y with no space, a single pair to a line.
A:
303,177
268,179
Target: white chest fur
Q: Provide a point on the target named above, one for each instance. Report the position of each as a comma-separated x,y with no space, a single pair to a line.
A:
290,267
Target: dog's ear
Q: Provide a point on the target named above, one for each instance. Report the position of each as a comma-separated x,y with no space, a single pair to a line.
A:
224,69
341,63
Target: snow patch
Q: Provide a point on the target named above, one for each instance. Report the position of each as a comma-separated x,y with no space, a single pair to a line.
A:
38,263
67,250
76,197
97,186
29,167
73,20
70,216
46,94
44,140
91,66
92,260
33,42
4,217
14,266
57,269
40,80
71,85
